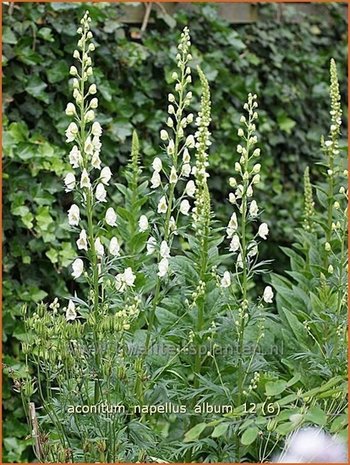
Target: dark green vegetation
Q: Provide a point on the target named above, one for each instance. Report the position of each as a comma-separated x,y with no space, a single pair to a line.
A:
285,63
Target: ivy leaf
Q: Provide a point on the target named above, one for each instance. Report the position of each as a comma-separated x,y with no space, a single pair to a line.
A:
36,88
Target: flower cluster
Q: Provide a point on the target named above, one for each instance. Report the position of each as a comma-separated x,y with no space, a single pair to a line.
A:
176,154
88,178
248,176
201,211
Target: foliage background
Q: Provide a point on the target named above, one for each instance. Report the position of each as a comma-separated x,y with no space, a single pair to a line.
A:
285,62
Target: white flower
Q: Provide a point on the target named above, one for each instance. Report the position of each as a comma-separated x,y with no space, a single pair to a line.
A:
96,143
78,268
162,205
252,249
89,116
69,182
164,134
232,182
253,208
94,103
164,250
88,146
151,245
111,217
226,280
105,175
143,223
114,247
100,250
173,175
186,156
157,164
75,157
186,170
82,241
96,129
185,207
249,191
239,261
129,277
96,161
125,279
85,180
92,89
120,282
70,109
235,243
171,147
74,215
172,225
163,267
71,132
190,142
232,198
232,226
256,168
268,295
256,179
155,180
100,193
73,71
190,188
71,314
263,231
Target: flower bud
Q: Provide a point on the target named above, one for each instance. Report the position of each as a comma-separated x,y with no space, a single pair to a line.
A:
327,247
94,103
70,109
73,71
164,134
92,89
89,116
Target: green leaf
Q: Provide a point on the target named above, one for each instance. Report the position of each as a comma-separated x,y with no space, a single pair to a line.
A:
46,34
36,88
8,36
249,435
316,415
219,430
57,72
195,432
285,123
274,388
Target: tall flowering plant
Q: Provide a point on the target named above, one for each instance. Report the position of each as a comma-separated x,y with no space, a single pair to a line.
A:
149,272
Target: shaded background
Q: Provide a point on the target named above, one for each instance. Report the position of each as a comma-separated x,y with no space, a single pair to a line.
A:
280,52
